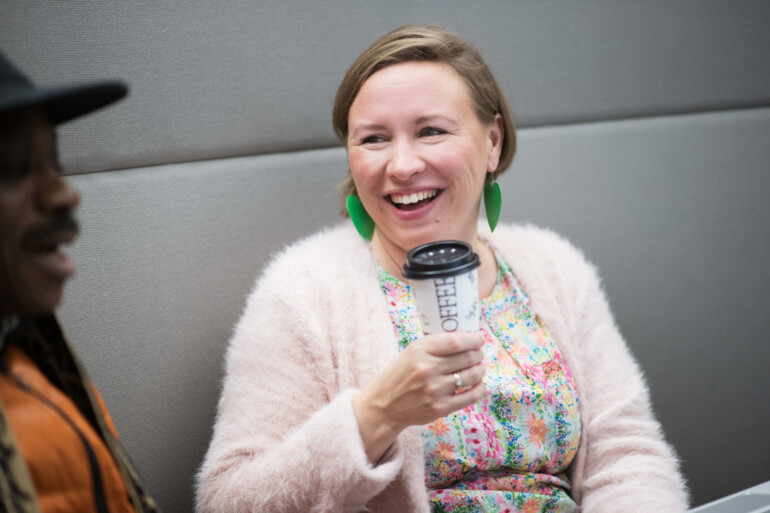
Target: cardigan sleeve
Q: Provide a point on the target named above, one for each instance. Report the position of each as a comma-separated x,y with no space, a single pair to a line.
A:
628,465
286,439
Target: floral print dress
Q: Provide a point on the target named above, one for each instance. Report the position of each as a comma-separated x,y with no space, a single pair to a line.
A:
508,452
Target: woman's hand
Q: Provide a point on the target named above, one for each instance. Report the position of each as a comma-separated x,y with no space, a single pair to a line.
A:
418,387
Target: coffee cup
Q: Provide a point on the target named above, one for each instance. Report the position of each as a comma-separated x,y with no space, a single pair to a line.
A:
443,277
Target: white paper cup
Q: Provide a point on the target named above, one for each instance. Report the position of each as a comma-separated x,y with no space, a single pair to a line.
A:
443,277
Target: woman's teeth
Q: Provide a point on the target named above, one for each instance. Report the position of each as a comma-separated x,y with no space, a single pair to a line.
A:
407,199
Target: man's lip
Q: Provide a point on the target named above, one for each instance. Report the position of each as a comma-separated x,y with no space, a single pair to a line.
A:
61,229
42,247
53,263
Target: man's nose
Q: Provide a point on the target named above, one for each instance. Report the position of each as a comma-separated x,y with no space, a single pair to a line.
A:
55,193
405,160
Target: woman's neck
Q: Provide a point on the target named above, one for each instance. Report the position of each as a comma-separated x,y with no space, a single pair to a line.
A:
392,258
389,256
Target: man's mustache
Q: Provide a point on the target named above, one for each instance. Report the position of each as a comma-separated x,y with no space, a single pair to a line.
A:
63,224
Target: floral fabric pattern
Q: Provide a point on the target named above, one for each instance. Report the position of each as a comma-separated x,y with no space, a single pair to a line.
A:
508,452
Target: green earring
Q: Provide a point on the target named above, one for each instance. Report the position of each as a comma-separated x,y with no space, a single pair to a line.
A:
360,217
493,203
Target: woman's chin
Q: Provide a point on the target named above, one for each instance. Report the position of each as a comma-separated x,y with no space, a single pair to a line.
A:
407,228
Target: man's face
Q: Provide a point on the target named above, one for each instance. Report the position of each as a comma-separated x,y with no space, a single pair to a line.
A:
36,206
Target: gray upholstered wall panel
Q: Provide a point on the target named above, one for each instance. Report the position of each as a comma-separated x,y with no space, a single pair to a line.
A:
675,213
673,210
220,79
165,260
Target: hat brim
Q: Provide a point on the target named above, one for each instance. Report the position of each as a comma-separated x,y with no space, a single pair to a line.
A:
62,104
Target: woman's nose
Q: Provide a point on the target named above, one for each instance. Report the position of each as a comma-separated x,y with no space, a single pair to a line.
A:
405,160
55,193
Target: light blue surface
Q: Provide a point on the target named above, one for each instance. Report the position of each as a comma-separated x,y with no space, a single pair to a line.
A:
754,500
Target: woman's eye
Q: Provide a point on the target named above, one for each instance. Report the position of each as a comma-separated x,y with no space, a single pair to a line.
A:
372,139
431,130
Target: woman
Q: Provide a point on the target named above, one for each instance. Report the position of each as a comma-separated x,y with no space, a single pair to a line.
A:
334,400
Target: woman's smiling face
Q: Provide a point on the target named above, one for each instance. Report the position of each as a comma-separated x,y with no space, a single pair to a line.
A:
419,154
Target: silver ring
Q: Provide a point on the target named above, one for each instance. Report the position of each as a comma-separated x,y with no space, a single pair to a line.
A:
458,383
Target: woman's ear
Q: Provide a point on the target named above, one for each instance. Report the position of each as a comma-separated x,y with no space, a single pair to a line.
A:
496,132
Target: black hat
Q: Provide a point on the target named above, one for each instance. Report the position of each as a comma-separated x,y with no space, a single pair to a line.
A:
60,103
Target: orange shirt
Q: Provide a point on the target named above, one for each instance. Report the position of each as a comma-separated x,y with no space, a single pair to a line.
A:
65,455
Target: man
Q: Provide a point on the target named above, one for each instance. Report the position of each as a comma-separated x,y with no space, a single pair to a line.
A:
58,448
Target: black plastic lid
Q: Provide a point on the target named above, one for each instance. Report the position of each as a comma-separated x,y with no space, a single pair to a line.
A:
439,259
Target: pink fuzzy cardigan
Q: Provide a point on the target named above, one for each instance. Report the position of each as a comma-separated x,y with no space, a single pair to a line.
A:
316,329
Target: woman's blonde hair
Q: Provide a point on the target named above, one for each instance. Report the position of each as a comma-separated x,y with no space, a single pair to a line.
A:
428,43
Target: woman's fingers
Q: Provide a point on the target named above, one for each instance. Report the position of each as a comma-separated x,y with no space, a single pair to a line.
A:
454,399
463,380
447,344
420,384
457,356
454,351
458,362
